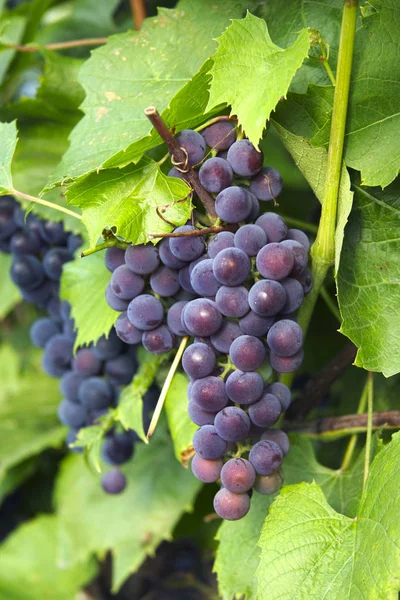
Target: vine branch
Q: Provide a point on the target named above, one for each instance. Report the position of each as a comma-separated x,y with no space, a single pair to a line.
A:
36,200
181,157
108,244
57,45
194,233
138,8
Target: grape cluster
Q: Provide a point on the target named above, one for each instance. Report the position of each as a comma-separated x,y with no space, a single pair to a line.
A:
90,380
235,295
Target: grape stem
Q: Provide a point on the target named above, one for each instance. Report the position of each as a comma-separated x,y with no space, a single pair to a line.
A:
370,414
180,157
215,120
166,386
36,200
193,233
109,244
351,446
57,45
138,9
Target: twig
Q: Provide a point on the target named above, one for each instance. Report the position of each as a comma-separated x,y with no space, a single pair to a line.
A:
317,387
58,45
138,8
353,440
180,156
195,232
99,247
71,213
370,395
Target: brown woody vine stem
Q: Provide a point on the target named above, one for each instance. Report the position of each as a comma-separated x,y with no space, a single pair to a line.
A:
194,233
138,8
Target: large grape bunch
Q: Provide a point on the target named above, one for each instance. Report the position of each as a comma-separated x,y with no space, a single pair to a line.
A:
91,379
234,294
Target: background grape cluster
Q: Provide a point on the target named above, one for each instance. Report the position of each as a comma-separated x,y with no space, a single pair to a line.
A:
235,295
90,379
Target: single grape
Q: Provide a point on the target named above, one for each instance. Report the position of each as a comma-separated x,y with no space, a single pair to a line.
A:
194,145
72,414
53,233
273,225
39,296
202,317
268,484
117,450
109,347
231,267
230,506
27,272
209,393
198,361
224,337
266,411
203,280
25,242
145,312
220,135
253,324
113,301
113,482
120,370
285,338
187,248
74,242
294,295
279,437
250,239
195,262
53,306
238,475
224,239
184,280
306,280
125,284
205,470
53,262
174,172
286,364
233,204
86,362
244,388
267,298
8,226
266,457
300,256
247,353
174,318
244,159
69,385
282,392
208,444
42,330
299,236
95,393
57,355
232,424
215,175
114,257
165,282
199,416
267,184
167,258
275,261
232,301
159,340
142,259
255,208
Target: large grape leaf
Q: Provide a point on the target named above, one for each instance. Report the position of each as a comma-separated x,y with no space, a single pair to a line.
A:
9,293
369,276
11,31
8,136
28,565
308,550
251,74
181,427
138,69
126,201
131,525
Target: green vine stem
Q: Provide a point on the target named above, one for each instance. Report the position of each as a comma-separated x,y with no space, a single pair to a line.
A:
108,244
348,455
370,396
57,45
36,200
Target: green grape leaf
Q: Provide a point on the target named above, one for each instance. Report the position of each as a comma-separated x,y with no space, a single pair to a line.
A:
368,278
11,31
135,70
8,136
251,74
126,201
9,293
15,476
57,70
181,427
158,492
83,285
310,550
29,570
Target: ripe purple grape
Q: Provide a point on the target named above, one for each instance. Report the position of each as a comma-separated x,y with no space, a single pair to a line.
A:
114,257
231,507
198,361
232,424
117,450
145,312
27,272
174,172
199,416
142,259
113,301
282,392
7,223
95,393
86,362
108,347
69,385
201,317
187,248
300,256
224,239
57,355
208,444
231,267
273,225
253,324
285,338
238,475
72,414
268,484
167,258
266,411
306,280
294,295
224,337
125,284
220,135
53,233
159,340
267,298
165,282
279,437
215,175
286,364
25,242
184,280
250,239
53,262
247,353
174,318
275,261
203,280
244,388
267,184
299,236
209,394
244,159
121,369
194,145
205,470
42,330
233,301
266,457
113,482
233,204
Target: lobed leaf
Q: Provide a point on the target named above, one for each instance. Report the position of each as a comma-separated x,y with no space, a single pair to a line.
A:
181,427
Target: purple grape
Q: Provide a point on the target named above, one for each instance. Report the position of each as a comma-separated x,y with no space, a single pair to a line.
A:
167,258
203,280
159,340
174,172
286,364
27,272
114,257
273,225
279,437
224,337
201,317
198,361
255,209
125,284
232,424
174,318
109,347
285,338
215,175
209,394
208,444
145,312
233,301
142,259
74,242
231,267
294,294
8,226
275,261
39,296
233,204
250,239
306,280
25,242
113,482
238,475
244,388
165,282
268,484
300,256
113,301
224,239
267,184
205,470
117,450
247,353
299,236
195,262
72,414
95,393
199,416
184,280
266,411
220,135
53,233
69,385
231,507
244,159
187,248
57,355
86,362
42,330
282,392
194,145
53,262
267,298
253,324
266,457
120,370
